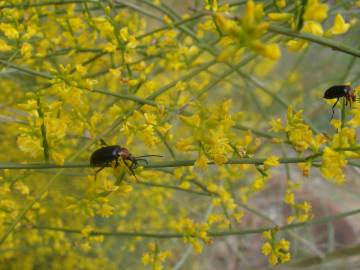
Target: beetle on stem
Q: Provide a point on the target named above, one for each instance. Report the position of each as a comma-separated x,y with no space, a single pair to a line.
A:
104,156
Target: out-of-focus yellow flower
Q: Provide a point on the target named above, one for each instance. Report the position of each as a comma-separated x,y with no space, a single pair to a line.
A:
281,3
272,51
332,165
185,144
57,157
315,11
167,20
276,125
266,248
271,161
264,67
4,47
30,145
345,138
283,16
276,251
294,45
9,30
289,197
193,120
202,162
22,188
26,50
338,28
313,28
305,167
229,27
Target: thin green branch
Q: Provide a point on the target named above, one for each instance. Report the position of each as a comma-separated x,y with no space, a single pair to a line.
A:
170,164
316,39
260,133
321,220
43,132
51,3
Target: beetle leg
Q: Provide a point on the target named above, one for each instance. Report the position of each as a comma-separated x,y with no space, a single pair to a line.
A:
333,110
131,170
97,171
102,142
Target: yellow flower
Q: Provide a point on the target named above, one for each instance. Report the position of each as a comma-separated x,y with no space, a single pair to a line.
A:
30,145
273,260
4,47
105,210
332,165
26,49
305,167
146,258
345,138
266,248
289,197
57,157
249,16
281,3
267,234
276,125
22,188
193,120
315,11
272,51
9,30
109,47
290,219
202,162
313,28
86,231
229,27
296,45
167,20
339,27
185,144
283,16
271,161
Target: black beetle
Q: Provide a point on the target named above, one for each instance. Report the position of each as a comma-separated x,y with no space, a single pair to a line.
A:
338,91
104,156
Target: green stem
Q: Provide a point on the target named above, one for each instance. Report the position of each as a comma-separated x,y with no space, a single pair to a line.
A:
322,220
41,4
316,39
343,113
43,132
255,131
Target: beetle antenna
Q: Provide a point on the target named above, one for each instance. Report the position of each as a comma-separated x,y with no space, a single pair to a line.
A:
148,156
143,159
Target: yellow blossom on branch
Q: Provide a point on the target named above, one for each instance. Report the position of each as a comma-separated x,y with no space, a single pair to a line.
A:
332,165
338,28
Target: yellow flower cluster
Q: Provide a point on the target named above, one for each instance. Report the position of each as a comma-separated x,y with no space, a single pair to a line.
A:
301,211
277,251
246,33
155,257
193,232
298,133
211,129
308,19
332,165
